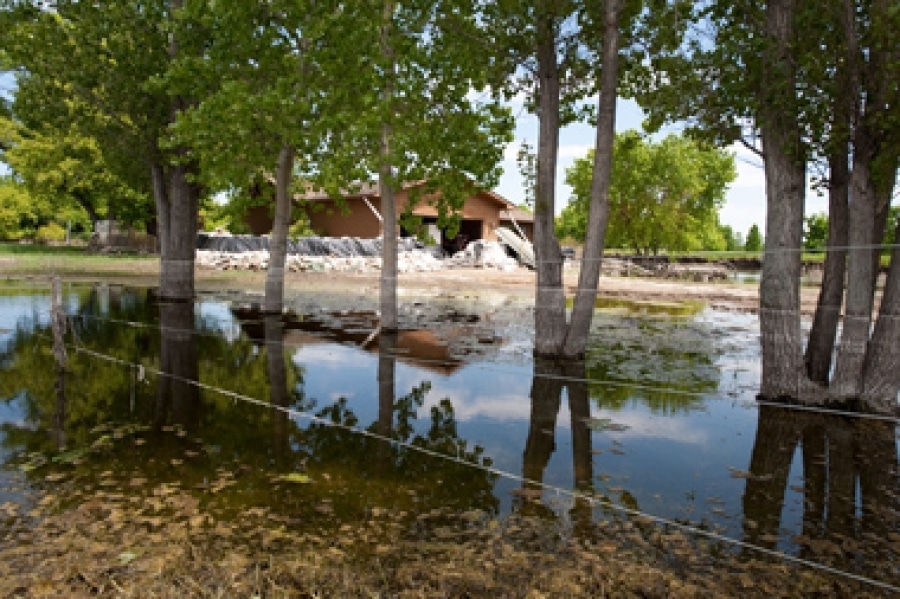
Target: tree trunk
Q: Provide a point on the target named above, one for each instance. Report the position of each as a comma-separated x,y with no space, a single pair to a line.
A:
783,373
822,336
601,177
176,277
386,183
388,297
161,200
847,382
882,367
274,300
550,300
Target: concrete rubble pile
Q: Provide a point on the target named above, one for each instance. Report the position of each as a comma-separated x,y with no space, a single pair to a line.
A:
345,254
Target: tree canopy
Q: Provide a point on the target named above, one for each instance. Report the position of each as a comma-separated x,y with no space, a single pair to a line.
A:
664,195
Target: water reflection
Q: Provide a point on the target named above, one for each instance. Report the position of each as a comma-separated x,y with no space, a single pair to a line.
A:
296,450
177,395
549,381
279,397
849,487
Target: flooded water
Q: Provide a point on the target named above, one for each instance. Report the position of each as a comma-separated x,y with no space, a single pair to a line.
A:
319,421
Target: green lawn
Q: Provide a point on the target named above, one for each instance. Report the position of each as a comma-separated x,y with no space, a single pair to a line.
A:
37,260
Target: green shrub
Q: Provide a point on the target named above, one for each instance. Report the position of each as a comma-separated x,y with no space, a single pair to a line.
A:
50,233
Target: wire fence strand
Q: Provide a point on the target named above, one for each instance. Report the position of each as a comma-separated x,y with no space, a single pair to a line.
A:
572,493
498,369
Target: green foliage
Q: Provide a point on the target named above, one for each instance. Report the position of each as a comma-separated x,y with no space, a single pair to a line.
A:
892,230
51,232
733,241
754,241
17,216
663,195
815,231
67,172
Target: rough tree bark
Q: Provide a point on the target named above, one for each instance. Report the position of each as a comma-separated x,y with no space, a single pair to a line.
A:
870,187
388,293
550,301
783,372
177,225
859,302
598,215
822,336
882,367
274,299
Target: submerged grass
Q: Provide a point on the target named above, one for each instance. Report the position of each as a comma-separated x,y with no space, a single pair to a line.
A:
651,308
166,543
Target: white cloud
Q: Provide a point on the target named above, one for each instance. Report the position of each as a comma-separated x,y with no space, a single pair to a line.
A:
574,150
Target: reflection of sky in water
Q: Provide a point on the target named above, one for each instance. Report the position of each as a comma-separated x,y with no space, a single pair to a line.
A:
674,463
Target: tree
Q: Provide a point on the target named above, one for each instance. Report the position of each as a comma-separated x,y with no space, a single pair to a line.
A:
109,62
273,100
420,122
754,241
67,171
733,241
555,54
815,231
663,195
807,83
17,217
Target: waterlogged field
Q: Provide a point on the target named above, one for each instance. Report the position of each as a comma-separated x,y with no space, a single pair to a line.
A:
206,448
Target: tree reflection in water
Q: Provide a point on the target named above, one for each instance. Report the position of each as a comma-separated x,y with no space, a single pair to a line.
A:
850,488
548,382
177,395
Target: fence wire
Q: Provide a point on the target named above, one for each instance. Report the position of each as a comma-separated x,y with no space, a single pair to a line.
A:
571,493
497,368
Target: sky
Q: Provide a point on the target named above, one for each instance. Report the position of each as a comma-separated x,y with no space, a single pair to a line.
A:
744,203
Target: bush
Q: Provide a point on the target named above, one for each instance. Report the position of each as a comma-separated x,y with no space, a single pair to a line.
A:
50,233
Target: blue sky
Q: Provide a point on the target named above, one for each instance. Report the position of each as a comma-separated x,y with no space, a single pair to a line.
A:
745,200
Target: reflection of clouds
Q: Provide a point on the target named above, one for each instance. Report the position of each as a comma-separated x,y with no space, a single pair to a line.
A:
644,426
503,408
332,356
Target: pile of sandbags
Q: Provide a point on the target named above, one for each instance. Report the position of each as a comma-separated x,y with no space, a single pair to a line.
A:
484,254
259,260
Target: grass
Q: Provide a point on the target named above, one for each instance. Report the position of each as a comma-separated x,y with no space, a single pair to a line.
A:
73,261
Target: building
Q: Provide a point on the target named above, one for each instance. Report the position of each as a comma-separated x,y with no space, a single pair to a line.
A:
482,213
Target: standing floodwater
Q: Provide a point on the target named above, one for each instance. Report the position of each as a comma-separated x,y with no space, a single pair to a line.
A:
214,421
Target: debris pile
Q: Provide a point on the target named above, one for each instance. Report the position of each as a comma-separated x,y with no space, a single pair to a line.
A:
259,260
342,254
484,254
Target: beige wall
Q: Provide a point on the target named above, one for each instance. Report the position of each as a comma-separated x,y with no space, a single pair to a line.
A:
329,220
